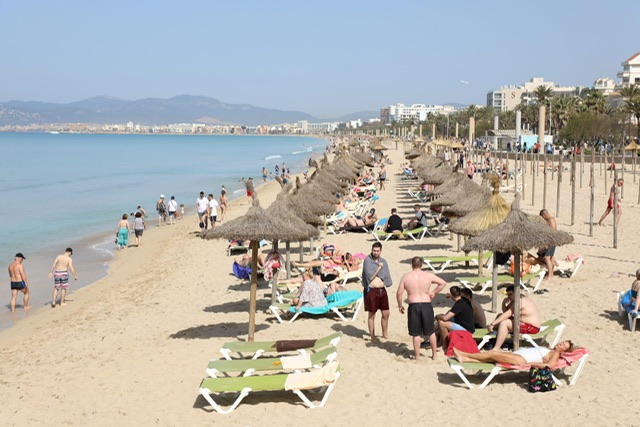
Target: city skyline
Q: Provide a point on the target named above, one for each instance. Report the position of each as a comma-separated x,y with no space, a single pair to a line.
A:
327,59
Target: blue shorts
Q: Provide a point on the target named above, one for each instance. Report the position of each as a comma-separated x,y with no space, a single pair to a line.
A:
18,285
456,327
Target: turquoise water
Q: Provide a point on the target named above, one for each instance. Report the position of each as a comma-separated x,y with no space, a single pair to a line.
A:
71,189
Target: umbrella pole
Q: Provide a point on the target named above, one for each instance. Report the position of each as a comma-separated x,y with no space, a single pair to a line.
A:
480,264
516,302
615,209
494,285
600,163
301,251
533,183
592,184
459,238
288,262
558,191
606,184
254,290
581,166
544,184
573,189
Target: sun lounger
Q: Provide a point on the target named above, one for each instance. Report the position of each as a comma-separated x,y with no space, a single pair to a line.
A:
579,355
625,307
258,348
296,382
546,329
569,268
486,281
447,261
335,302
247,367
236,249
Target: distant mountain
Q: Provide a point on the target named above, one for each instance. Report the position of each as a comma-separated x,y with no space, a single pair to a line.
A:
361,115
149,111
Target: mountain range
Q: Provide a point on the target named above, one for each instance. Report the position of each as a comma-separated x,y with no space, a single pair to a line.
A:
154,111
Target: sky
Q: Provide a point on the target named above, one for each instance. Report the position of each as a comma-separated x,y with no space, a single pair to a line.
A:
326,58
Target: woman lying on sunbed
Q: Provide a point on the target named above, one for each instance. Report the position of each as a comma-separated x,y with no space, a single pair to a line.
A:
367,221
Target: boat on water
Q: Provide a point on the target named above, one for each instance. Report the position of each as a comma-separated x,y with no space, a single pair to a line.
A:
54,132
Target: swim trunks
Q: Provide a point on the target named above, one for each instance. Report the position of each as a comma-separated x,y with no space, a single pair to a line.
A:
138,232
547,252
526,328
376,299
420,319
61,279
249,193
18,285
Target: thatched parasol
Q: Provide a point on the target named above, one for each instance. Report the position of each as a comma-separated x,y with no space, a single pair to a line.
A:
379,147
492,214
414,153
454,181
436,175
466,191
255,225
515,235
455,144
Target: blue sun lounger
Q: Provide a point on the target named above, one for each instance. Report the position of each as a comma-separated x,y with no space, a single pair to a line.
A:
335,302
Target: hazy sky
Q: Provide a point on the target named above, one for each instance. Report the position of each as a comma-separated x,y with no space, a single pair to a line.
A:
326,58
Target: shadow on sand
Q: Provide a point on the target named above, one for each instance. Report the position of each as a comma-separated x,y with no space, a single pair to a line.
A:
216,330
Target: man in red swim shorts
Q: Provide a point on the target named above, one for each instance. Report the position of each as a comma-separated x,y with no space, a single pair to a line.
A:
529,318
612,196
375,279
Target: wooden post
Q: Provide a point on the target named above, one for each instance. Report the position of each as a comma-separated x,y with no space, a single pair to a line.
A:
301,252
553,165
622,163
480,264
573,189
544,184
606,184
459,240
601,163
288,259
592,200
516,302
507,166
581,165
254,290
559,182
615,209
494,285
533,183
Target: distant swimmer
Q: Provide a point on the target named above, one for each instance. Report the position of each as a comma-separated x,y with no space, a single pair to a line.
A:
59,272
19,282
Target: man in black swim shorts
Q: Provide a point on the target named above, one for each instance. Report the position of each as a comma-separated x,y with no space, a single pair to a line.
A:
418,284
19,282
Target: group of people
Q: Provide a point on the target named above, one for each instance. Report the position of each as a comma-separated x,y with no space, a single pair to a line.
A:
59,273
168,211
208,208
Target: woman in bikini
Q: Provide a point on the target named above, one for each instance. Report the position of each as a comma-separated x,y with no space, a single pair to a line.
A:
635,287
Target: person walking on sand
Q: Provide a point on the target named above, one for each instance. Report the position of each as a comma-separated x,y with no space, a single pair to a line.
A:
122,231
375,278
382,177
59,272
420,319
19,282
213,210
223,203
172,207
615,188
139,225
161,207
202,207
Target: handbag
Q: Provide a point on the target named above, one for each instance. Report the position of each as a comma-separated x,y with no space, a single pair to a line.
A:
540,380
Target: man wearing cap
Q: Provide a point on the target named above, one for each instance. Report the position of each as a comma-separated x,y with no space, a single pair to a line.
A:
19,282
60,274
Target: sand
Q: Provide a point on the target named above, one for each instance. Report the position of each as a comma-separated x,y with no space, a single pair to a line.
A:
132,348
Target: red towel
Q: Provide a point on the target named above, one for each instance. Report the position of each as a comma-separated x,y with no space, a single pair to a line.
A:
462,340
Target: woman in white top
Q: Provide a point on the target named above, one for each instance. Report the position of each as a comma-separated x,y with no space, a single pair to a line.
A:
536,357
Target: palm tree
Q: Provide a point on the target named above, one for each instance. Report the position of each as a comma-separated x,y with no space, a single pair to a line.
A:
633,106
542,94
595,101
630,92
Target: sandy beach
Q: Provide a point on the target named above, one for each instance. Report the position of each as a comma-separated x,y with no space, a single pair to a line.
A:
132,348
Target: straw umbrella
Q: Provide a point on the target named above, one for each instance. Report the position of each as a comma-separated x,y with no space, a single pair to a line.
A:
515,235
492,214
254,226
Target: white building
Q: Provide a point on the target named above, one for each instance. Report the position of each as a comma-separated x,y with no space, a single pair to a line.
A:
327,127
415,112
509,97
630,73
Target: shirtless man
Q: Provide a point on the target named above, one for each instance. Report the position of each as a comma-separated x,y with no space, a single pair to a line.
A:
529,318
19,282
59,272
538,357
546,255
612,197
418,285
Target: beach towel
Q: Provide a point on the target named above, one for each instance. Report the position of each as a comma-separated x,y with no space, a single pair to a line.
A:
313,379
573,257
291,345
241,272
462,340
302,361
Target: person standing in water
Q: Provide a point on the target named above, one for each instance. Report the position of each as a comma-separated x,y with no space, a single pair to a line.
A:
59,272
19,282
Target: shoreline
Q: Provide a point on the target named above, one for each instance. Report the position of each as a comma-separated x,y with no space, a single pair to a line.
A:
94,255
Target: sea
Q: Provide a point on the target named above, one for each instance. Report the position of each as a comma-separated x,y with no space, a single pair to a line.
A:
70,190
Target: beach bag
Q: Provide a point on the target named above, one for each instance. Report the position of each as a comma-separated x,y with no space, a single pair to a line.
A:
540,380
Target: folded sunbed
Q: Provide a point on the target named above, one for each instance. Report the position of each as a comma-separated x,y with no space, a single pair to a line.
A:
335,302
546,329
579,355
486,281
446,261
285,363
295,382
258,348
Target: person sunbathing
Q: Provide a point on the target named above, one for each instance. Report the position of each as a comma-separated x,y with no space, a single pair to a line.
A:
349,263
635,287
538,357
529,317
245,261
311,292
368,220
330,250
